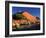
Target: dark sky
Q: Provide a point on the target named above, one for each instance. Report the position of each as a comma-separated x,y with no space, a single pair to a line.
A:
31,10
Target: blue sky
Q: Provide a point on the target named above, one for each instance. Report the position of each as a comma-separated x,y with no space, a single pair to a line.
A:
31,10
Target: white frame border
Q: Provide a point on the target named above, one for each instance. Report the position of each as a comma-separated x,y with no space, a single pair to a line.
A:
25,32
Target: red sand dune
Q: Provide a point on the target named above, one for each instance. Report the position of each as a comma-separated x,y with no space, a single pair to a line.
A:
30,17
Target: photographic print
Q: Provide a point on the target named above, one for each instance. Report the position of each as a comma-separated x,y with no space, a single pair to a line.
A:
24,18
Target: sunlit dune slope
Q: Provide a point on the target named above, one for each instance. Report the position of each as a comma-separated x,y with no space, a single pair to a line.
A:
29,17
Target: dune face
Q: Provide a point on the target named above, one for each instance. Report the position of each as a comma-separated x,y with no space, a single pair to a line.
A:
29,17
23,19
